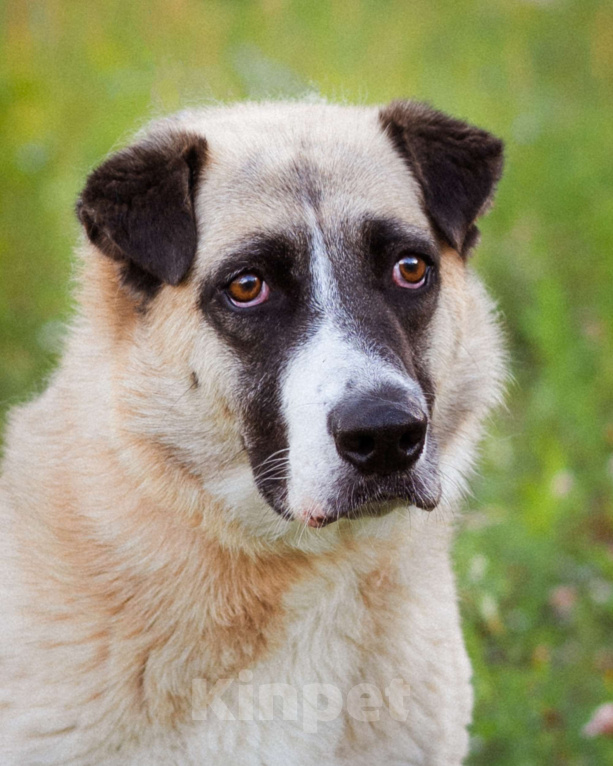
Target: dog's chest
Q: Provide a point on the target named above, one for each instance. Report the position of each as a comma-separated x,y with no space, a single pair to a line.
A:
367,668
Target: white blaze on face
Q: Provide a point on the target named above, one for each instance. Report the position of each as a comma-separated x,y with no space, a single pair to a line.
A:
329,366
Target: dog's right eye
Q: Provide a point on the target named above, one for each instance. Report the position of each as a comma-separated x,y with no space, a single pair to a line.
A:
247,289
411,271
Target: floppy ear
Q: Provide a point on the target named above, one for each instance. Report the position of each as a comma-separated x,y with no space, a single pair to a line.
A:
457,166
138,207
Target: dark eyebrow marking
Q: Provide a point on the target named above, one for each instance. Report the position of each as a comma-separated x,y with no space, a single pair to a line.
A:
272,251
383,234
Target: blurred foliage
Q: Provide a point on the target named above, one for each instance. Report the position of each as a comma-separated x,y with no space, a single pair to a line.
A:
535,559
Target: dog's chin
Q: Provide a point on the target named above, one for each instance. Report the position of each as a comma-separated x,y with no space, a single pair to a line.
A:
368,500
373,509
367,497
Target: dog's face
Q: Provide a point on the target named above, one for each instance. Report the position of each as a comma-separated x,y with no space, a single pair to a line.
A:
302,267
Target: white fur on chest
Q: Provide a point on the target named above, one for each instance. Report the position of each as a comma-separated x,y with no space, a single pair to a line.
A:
383,614
391,638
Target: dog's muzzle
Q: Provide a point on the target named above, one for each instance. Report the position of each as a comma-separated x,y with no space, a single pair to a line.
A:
380,436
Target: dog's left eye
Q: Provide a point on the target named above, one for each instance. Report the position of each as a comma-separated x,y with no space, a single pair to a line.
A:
247,289
411,272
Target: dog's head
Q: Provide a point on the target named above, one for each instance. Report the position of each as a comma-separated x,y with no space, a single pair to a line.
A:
302,319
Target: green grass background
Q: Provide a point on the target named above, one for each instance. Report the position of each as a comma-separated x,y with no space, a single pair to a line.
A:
77,77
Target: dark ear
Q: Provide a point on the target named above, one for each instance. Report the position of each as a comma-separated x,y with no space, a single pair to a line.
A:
457,166
138,207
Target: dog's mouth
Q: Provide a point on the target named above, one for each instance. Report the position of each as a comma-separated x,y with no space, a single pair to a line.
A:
378,498
367,497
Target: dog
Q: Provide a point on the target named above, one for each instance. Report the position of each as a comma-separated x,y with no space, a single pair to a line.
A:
227,522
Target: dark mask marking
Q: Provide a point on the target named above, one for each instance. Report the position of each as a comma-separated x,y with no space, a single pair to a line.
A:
375,311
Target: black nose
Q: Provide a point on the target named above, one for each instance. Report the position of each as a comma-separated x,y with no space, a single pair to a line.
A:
379,434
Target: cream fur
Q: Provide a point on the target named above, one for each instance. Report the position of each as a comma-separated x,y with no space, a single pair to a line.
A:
136,554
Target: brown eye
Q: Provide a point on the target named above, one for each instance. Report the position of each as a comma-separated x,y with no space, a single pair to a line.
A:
410,271
248,290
